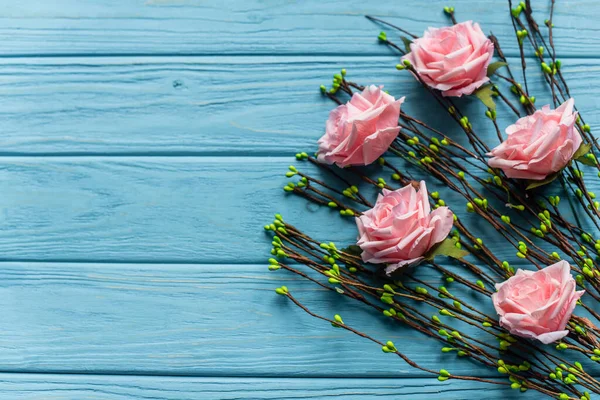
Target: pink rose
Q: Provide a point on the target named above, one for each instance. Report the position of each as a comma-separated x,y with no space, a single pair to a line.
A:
452,59
401,228
539,144
538,304
360,131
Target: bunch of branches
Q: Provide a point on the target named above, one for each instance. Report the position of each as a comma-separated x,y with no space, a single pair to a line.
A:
539,227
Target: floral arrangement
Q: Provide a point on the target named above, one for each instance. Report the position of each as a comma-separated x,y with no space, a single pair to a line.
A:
543,335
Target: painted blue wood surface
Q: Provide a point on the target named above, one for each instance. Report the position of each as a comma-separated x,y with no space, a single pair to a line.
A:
207,106
85,387
72,27
143,146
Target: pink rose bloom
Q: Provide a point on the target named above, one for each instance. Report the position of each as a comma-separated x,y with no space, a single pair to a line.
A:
360,131
538,304
401,228
452,59
539,144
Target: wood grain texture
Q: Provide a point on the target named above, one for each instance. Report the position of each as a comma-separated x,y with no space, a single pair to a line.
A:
74,387
201,320
213,105
144,144
70,27
167,209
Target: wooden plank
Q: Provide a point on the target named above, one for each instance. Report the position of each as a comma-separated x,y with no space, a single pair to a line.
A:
165,209
70,27
201,320
213,105
77,387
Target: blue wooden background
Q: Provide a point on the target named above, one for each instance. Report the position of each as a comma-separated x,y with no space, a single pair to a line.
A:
143,145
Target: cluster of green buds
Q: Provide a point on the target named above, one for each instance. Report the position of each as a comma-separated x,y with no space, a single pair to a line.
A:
387,294
577,328
347,213
274,264
505,368
455,235
521,35
389,347
451,337
586,128
567,374
587,267
333,255
292,171
405,63
516,12
545,222
437,143
337,81
481,203
491,114
597,245
551,69
350,192
507,267
539,52
392,312
426,160
334,274
459,352
289,187
505,340
439,203
381,183
464,122
498,182
444,375
301,156
443,291
449,10
277,226
412,141
561,346
524,99
516,89
578,174
277,250
282,290
522,253
516,384
596,356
